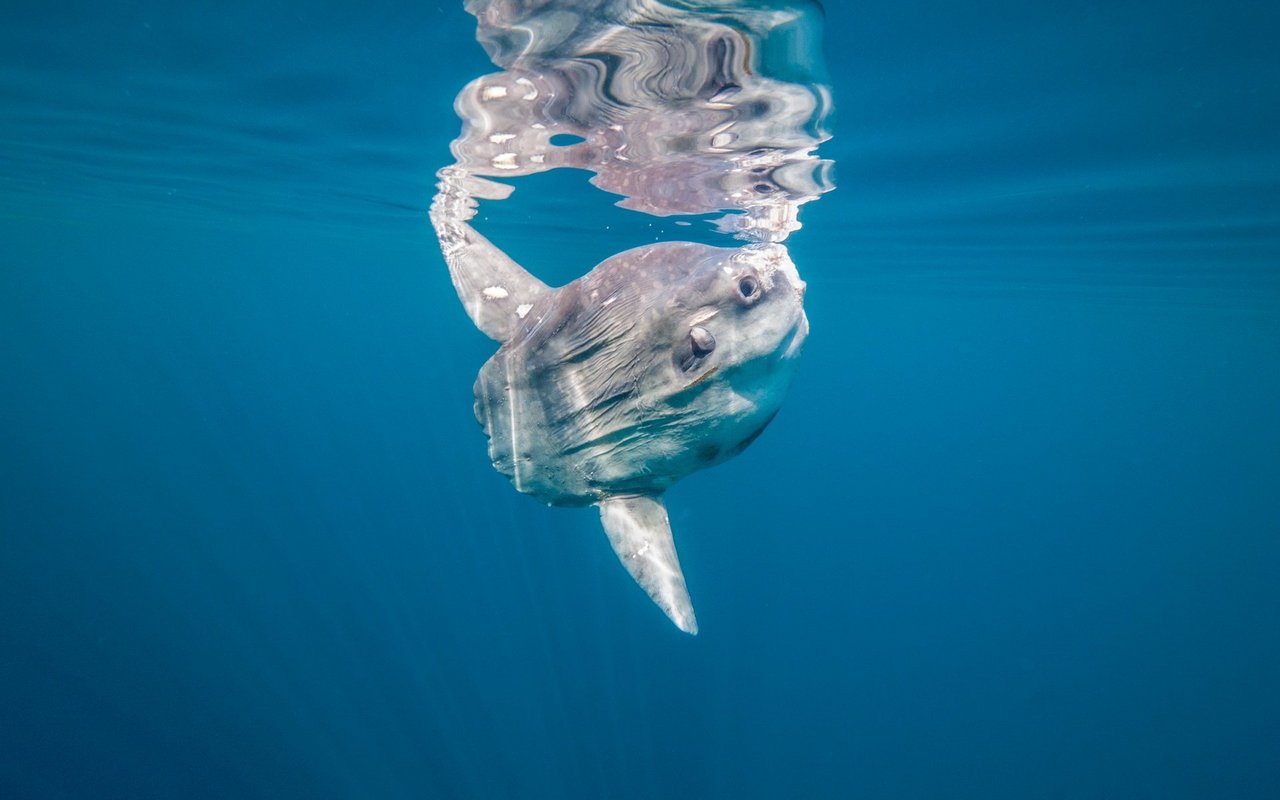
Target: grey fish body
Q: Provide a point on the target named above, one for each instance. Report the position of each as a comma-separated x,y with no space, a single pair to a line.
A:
660,361
600,393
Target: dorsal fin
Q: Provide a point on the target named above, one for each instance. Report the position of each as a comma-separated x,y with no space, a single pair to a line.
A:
496,292
640,533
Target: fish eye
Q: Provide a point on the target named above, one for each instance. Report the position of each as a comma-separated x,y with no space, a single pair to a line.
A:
749,288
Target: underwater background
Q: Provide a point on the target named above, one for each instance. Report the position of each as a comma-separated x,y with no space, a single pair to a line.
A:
1015,533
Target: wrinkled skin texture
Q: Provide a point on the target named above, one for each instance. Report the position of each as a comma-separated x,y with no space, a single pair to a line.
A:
654,365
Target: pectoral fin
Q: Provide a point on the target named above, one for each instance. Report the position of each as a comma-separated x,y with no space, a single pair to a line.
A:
640,533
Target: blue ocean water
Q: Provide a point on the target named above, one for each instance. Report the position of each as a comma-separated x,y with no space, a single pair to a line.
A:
1015,533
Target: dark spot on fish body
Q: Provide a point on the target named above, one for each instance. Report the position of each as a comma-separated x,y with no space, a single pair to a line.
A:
708,453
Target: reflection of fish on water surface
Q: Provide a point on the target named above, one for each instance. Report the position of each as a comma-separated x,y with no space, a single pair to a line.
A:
670,357
675,107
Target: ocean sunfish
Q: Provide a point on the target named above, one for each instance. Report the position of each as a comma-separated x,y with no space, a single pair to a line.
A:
660,361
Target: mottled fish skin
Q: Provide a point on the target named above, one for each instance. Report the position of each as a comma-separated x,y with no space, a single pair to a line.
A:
600,394
660,361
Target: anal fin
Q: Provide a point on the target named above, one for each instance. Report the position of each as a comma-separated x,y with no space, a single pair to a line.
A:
640,533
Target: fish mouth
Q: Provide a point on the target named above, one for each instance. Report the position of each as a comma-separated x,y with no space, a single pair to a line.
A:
793,342
795,338
784,271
